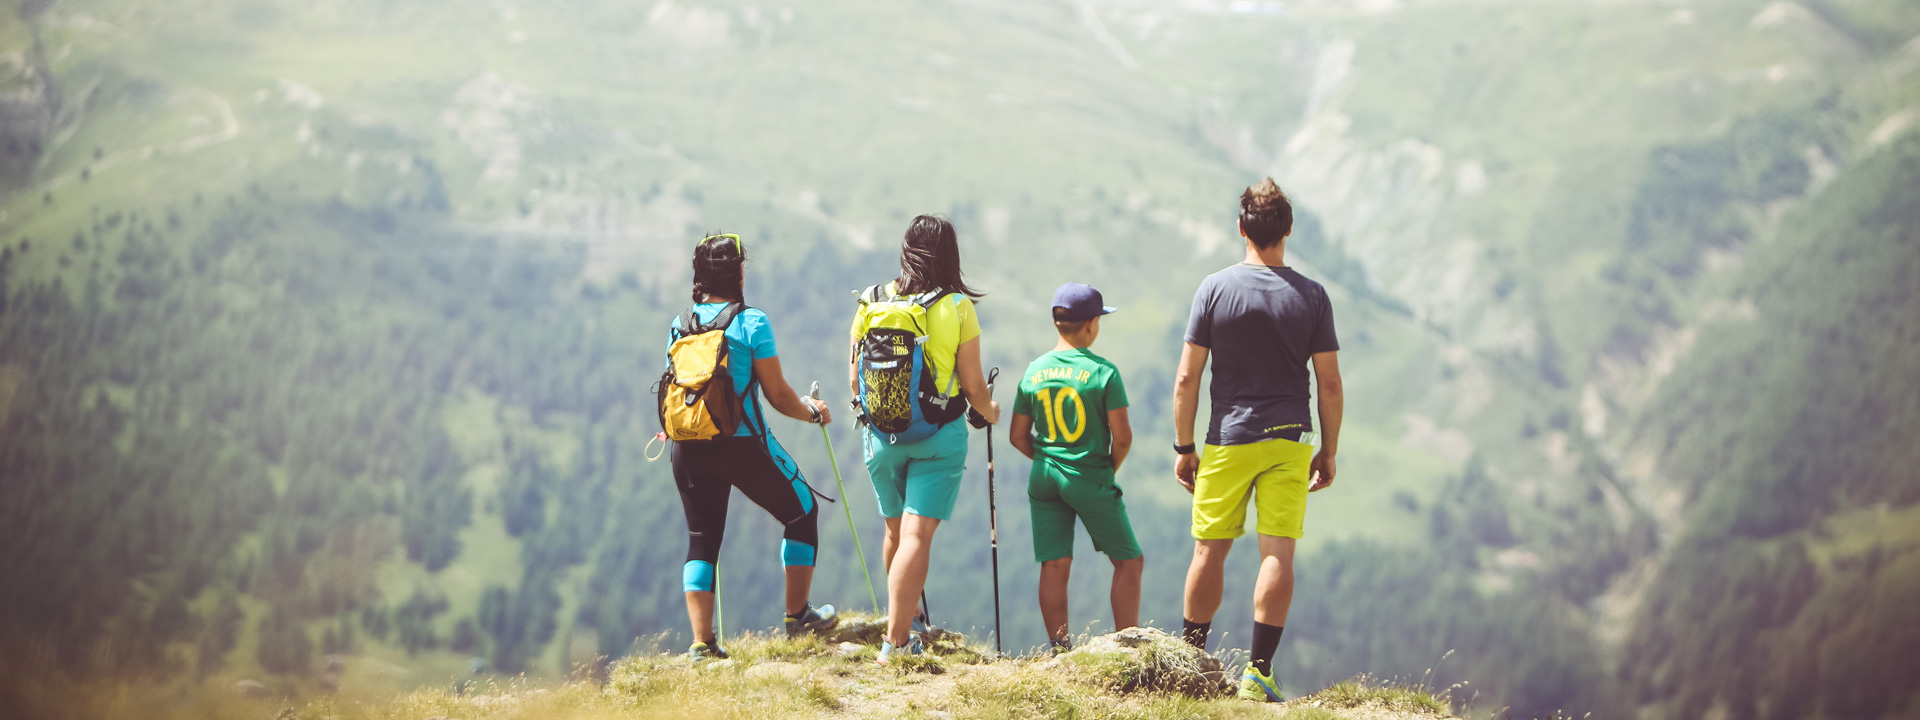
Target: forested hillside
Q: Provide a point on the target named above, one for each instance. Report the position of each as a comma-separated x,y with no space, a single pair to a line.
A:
326,328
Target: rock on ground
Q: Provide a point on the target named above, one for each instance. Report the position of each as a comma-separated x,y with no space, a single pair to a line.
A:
1148,659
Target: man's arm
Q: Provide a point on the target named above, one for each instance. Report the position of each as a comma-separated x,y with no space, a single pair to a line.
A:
1020,434
1326,372
1122,433
1186,403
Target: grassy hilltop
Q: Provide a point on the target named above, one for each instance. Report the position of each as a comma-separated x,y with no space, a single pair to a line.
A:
769,677
326,327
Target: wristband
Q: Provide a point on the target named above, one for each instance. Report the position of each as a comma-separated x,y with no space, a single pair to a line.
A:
1183,449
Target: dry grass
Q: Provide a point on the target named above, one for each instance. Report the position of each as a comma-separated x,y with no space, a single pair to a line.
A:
769,677
1362,697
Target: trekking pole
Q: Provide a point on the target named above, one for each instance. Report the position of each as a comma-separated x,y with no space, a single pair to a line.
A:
993,518
835,461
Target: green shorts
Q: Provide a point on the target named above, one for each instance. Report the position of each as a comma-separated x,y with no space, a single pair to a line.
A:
1057,493
922,477
1271,473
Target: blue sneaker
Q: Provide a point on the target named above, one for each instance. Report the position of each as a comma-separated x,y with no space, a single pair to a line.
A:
887,650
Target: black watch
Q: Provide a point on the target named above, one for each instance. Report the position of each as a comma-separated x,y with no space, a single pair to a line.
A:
1183,449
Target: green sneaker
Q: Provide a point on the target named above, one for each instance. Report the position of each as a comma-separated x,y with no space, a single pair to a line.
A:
1056,648
703,651
813,620
1258,688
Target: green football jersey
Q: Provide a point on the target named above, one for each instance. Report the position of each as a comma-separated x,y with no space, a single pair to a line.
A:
1068,394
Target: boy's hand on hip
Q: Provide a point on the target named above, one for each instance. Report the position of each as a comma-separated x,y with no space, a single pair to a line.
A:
1184,468
1322,471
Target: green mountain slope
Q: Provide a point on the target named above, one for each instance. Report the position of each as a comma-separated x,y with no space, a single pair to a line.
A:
327,327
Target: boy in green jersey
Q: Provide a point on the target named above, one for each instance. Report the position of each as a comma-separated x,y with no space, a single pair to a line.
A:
1077,445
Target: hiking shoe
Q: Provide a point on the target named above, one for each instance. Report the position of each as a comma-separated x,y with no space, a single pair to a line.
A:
1258,688
887,650
704,651
1062,646
813,620
921,625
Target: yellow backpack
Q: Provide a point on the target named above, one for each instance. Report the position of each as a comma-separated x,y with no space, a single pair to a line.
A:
697,400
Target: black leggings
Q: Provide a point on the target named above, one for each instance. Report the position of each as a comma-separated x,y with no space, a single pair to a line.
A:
707,471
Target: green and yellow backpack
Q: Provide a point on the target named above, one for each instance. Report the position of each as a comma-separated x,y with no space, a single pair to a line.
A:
898,395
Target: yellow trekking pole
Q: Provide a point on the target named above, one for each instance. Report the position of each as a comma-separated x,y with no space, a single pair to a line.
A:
835,462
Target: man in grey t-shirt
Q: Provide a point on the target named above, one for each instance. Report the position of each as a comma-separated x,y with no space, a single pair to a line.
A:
1262,323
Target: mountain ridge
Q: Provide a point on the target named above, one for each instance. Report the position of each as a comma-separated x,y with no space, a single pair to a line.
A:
386,328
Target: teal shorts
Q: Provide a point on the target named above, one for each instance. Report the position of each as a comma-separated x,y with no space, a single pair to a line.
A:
1057,493
922,477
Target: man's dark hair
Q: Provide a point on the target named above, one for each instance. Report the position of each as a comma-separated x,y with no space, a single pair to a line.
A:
718,268
930,258
1265,214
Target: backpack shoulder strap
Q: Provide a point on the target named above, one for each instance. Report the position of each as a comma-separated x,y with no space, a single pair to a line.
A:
871,295
727,314
689,323
928,298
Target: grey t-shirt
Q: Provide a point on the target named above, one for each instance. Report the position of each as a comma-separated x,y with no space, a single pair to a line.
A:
1263,324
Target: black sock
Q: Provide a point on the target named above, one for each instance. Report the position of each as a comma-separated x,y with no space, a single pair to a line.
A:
1266,639
803,611
1195,633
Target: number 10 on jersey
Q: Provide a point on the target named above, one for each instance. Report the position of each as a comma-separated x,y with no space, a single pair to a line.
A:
1053,405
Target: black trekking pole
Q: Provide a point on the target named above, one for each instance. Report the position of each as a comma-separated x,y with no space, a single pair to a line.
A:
993,514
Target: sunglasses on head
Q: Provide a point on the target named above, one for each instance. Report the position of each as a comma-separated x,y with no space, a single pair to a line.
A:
730,236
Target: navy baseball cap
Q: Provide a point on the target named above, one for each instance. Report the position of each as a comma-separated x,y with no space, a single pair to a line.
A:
1075,302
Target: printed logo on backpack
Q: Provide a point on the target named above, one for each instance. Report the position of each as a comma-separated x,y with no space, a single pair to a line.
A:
898,394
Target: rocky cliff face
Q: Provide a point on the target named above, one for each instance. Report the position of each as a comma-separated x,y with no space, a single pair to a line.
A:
30,105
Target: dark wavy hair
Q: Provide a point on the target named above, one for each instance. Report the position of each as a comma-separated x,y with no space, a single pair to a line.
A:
930,258
718,269
1266,214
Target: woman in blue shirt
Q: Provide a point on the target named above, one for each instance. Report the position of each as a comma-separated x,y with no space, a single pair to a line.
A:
707,471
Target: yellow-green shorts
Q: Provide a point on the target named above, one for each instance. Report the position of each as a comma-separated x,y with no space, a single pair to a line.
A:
1273,473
